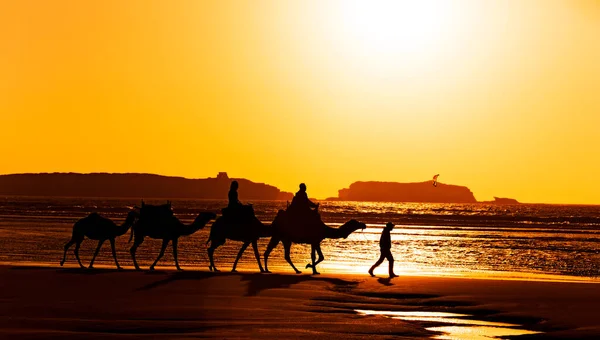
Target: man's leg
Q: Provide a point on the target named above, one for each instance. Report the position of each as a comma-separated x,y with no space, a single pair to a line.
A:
390,259
381,257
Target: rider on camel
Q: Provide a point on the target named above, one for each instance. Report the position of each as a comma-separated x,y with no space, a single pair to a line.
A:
301,203
234,202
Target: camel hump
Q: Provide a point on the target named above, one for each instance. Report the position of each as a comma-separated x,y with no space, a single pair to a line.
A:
156,212
95,216
92,218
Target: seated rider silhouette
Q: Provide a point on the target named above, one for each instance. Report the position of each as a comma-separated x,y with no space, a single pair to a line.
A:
234,202
235,208
301,203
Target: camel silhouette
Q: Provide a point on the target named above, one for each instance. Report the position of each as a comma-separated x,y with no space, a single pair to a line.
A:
247,230
288,230
158,222
99,228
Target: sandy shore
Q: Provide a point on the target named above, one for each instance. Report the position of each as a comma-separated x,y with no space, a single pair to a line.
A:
52,302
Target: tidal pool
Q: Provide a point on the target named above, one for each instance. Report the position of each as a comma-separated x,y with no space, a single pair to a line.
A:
460,326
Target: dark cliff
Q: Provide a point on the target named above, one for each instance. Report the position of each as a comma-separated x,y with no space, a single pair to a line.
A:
406,192
133,185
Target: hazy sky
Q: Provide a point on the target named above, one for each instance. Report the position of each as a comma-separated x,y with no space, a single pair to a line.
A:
501,96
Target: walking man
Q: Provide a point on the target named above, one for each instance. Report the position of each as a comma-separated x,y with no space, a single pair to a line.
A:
385,245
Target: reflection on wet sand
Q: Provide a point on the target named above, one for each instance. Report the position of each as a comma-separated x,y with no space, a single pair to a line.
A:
462,327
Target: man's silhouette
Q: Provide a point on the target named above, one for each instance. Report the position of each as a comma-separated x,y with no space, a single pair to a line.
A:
385,246
234,202
300,202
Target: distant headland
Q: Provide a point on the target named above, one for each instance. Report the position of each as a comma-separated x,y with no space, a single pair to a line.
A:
140,185
420,192
133,185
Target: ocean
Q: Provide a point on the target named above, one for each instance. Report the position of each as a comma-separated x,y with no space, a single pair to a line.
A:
556,242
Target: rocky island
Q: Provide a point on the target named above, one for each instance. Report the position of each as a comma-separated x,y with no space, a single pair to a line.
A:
405,192
133,185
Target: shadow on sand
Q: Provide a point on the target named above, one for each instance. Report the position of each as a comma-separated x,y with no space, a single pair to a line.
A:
256,282
84,271
386,281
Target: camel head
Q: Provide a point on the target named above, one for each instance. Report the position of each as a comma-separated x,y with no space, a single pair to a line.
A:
132,216
204,217
349,227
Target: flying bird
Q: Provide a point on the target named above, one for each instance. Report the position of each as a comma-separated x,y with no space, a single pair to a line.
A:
435,180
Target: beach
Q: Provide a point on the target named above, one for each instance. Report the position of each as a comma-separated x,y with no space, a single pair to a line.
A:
466,272
51,302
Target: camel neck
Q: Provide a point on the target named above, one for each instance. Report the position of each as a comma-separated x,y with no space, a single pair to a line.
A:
198,224
333,232
342,232
124,227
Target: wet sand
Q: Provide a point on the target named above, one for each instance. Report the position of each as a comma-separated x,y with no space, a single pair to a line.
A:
42,302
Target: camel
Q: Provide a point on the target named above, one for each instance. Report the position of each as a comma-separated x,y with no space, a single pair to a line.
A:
248,231
99,228
158,222
291,230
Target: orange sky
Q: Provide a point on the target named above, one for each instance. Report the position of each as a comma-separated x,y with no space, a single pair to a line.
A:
500,96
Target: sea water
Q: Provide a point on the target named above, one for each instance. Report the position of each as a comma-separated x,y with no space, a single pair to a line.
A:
508,241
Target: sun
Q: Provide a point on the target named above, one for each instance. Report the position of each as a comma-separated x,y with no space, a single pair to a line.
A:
387,34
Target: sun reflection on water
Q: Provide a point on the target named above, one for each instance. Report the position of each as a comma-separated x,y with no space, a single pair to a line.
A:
462,327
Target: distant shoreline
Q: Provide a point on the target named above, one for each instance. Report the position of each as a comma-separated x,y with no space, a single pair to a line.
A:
142,185
133,185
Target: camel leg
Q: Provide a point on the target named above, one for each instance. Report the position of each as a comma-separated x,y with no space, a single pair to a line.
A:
136,244
77,245
312,257
239,256
211,251
314,263
174,244
272,244
67,246
114,252
320,253
255,247
96,253
162,252
316,248
288,248
214,244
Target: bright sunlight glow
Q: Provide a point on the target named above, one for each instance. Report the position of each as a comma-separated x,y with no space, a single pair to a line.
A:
387,34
